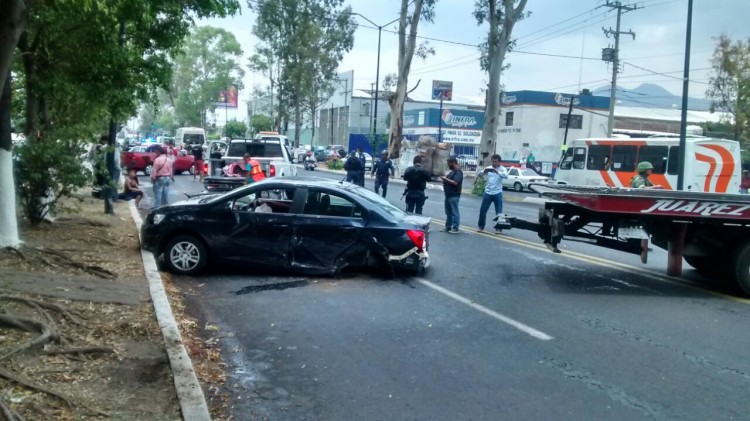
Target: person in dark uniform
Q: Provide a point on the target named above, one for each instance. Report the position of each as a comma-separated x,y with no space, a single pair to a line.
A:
355,170
382,170
416,182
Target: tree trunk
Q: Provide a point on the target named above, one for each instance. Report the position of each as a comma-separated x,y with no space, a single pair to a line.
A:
12,25
8,220
498,42
313,110
297,120
406,49
32,101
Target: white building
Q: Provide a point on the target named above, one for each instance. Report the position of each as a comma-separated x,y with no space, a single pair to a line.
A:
533,122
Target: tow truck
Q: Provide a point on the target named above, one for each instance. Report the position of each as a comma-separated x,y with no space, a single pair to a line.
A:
711,231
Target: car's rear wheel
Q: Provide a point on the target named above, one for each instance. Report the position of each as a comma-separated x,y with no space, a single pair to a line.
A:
149,169
191,170
185,255
518,186
740,265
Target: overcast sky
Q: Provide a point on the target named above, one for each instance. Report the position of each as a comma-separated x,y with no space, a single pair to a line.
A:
562,27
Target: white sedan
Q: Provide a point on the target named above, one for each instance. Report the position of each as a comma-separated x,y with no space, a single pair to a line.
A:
519,178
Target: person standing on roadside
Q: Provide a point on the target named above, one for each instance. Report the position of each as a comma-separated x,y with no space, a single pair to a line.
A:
745,184
382,170
161,176
355,170
493,191
416,182
197,151
452,185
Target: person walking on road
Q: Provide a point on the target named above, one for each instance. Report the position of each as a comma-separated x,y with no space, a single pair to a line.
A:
452,185
197,151
745,184
641,181
382,170
355,169
493,191
161,175
416,182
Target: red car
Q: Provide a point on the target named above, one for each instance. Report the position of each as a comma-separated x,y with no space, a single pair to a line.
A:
141,158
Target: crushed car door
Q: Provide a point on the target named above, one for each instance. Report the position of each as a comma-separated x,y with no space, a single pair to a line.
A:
327,231
261,229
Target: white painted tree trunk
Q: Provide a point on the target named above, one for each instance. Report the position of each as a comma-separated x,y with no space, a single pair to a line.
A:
497,52
8,219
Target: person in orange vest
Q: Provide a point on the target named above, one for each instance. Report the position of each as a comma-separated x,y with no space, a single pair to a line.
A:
252,170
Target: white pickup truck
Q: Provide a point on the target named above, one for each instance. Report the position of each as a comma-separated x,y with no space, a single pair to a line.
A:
274,158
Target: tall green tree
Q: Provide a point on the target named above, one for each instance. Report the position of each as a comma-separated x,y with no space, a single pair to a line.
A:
410,14
207,65
83,63
306,40
260,123
501,15
235,129
729,86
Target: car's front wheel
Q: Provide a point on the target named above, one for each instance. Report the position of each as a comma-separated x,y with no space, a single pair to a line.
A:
185,255
149,168
518,186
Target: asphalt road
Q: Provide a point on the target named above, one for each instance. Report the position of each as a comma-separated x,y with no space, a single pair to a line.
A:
498,328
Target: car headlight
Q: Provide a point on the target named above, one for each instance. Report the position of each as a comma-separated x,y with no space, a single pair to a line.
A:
158,218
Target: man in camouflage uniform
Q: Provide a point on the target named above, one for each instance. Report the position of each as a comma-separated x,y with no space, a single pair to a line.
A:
641,181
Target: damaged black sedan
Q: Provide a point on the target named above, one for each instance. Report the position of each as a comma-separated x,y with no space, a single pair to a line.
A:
309,225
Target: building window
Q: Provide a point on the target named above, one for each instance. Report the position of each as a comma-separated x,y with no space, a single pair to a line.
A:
576,121
366,108
509,118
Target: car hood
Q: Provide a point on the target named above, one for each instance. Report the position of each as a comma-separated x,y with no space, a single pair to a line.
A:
195,200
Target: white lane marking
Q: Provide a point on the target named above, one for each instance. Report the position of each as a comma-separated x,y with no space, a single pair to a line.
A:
507,320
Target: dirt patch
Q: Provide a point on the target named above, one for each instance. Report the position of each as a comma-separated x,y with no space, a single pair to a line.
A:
78,335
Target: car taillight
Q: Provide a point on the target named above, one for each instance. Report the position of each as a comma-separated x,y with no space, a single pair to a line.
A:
416,237
272,171
205,168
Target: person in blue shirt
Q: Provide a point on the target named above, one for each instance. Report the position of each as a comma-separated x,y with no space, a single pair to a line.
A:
493,191
382,170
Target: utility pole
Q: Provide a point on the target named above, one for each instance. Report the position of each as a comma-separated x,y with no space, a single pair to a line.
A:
615,56
685,86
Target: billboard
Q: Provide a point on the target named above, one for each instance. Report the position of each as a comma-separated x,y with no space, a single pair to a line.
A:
442,90
228,98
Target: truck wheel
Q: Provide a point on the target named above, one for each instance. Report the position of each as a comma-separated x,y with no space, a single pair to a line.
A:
149,168
185,255
740,265
518,187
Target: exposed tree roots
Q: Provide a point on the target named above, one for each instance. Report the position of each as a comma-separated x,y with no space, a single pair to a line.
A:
28,384
85,350
46,333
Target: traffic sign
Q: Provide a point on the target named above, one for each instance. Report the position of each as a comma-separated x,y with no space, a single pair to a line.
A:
442,90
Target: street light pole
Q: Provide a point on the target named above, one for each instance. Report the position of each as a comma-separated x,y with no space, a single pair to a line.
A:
377,74
377,93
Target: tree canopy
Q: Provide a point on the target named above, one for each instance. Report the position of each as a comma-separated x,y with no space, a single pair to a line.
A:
729,86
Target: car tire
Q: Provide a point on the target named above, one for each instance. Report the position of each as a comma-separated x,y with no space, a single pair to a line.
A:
191,170
740,265
179,172
185,255
518,186
149,169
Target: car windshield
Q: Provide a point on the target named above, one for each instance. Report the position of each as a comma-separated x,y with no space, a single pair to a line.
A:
192,139
255,149
529,173
371,196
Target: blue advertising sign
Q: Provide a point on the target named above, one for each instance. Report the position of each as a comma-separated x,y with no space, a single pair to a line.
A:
553,98
442,90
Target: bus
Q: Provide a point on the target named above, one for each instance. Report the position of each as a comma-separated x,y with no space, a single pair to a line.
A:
711,165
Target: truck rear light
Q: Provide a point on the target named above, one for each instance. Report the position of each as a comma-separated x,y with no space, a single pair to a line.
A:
417,237
272,171
205,168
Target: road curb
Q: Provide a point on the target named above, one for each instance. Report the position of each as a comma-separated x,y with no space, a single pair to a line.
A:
189,393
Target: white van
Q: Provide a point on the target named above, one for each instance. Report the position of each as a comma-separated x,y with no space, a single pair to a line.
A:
188,136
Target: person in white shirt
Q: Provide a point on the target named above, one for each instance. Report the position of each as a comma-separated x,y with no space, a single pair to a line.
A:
493,191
